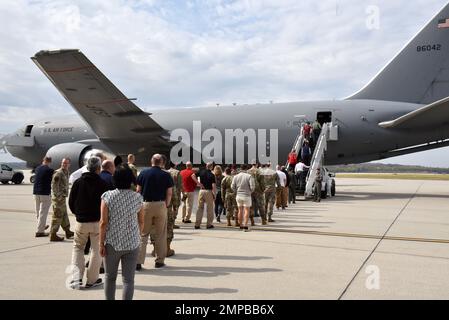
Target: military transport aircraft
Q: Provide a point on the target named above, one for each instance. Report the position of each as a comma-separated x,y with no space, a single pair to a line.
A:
404,109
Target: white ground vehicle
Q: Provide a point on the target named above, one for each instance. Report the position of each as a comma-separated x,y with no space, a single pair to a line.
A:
328,184
8,174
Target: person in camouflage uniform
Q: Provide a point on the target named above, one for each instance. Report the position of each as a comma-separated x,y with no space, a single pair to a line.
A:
59,194
131,160
292,186
270,179
174,206
228,196
258,197
317,186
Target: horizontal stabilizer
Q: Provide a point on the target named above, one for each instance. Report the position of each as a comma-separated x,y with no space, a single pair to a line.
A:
433,115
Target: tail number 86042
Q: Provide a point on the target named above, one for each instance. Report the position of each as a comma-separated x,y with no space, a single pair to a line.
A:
429,47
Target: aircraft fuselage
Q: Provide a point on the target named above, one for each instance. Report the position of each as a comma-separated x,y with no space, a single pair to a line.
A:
360,138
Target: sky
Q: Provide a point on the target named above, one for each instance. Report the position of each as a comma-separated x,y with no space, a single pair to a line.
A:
197,53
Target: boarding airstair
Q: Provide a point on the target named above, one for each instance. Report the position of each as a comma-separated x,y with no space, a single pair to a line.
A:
317,158
298,144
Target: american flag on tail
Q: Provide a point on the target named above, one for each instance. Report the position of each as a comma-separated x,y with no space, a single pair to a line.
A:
443,23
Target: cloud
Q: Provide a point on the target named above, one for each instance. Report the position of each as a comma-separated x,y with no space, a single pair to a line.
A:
197,53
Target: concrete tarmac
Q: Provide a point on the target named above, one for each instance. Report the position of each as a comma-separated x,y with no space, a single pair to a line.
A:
377,239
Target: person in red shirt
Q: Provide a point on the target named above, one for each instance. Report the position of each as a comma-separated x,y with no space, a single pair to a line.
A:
307,130
292,159
189,183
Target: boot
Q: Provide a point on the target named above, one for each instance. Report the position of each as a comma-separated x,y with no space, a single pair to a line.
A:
69,234
252,221
229,222
170,251
54,237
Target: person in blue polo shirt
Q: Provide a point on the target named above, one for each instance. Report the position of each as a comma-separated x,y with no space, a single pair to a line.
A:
41,191
156,187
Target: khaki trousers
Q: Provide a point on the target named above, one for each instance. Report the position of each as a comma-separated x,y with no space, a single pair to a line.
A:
278,197
155,224
187,207
205,197
284,196
83,231
42,205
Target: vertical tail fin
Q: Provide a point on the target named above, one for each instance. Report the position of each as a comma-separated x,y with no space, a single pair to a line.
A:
420,72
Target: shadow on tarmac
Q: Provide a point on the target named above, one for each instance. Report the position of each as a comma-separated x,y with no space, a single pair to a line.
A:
184,256
178,289
206,272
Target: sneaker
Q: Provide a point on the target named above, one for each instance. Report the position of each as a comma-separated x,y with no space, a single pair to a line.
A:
76,284
69,234
55,237
159,265
97,283
197,227
41,234
245,229
270,220
138,267
187,221
210,227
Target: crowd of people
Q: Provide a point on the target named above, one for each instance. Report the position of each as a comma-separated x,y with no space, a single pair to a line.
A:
119,211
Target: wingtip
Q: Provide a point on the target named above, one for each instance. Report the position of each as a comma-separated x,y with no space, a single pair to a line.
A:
51,52
386,124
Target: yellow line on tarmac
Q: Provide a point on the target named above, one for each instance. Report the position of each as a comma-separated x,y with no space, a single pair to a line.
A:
348,235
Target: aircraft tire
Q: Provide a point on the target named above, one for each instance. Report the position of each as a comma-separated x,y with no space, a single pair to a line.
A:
333,189
324,193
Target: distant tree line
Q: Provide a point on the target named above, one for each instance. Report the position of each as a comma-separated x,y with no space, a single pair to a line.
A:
385,168
349,168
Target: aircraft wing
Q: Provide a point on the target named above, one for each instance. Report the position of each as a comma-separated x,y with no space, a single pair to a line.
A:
111,115
431,115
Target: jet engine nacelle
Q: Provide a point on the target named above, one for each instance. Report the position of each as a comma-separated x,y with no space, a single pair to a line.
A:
73,150
78,153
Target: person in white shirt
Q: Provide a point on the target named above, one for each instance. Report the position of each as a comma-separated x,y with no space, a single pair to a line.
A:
301,173
243,185
78,173
281,190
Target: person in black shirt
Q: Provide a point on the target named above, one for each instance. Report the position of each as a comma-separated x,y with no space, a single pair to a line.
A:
85,203
156,187
41,192
107,170
206,196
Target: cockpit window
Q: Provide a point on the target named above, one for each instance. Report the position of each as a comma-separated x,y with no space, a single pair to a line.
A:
28,130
